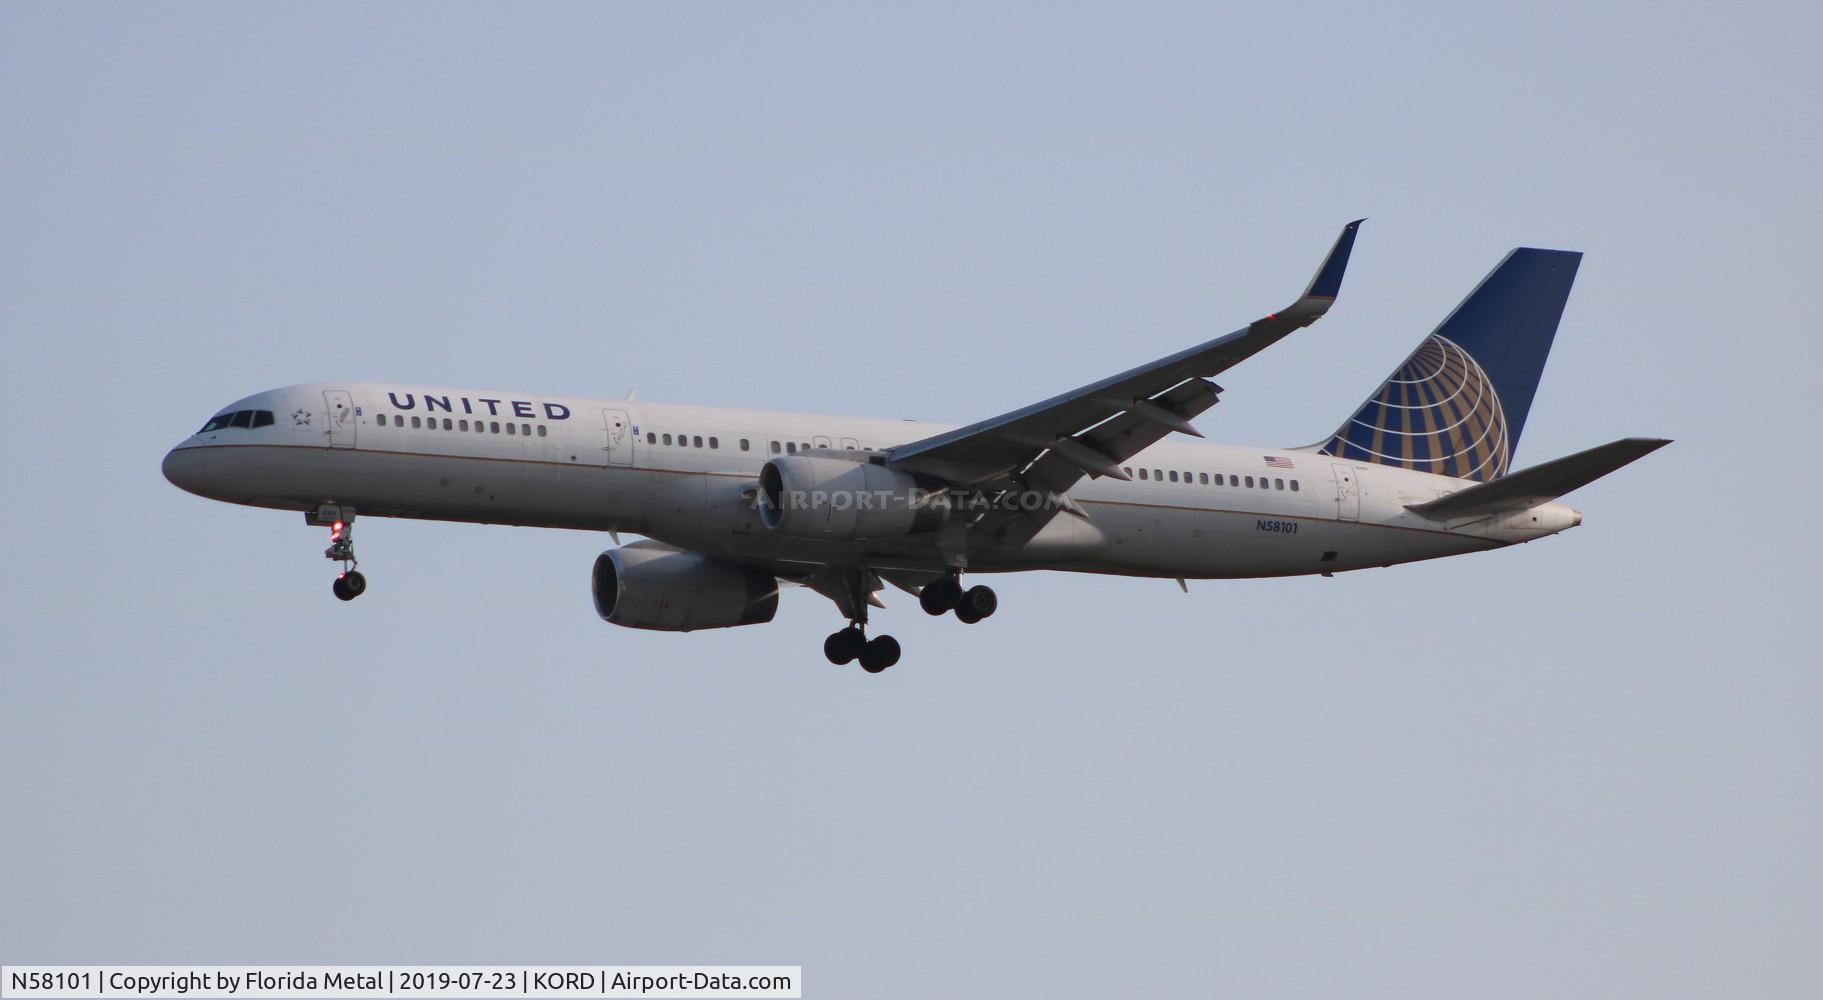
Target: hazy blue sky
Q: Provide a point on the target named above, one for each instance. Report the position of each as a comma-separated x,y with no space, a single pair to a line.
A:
1586,767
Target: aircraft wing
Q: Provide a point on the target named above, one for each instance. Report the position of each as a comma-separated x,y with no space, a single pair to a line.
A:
1091,430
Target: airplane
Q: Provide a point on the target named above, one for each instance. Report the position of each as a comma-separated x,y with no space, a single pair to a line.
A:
1107,478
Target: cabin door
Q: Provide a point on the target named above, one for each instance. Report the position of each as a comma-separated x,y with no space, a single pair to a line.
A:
1348,492
617,438
340,405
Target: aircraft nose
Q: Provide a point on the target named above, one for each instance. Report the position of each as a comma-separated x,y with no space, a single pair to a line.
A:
188,469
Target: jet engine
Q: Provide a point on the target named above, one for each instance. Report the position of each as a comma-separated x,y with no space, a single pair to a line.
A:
807,496
651,585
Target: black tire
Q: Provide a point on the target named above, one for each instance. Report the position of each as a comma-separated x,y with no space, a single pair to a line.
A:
354,583
881,651
981,601
340,589
935,598
844,646
967,615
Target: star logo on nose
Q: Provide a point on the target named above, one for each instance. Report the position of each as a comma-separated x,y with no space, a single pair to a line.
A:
300,417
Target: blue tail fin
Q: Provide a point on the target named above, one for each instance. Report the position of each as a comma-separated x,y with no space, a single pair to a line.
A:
1457,405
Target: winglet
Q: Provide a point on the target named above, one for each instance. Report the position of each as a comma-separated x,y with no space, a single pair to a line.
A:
1328,282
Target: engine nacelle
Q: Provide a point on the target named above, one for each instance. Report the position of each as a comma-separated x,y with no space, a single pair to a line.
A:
651,585
808,496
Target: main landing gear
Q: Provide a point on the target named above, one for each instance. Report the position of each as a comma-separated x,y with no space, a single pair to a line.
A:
946,595
852,644
349,584
852,591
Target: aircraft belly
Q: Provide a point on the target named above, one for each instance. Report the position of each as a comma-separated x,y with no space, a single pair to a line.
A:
1167,542
447,487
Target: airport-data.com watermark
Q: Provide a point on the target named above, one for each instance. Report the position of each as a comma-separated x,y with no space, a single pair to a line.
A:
947,500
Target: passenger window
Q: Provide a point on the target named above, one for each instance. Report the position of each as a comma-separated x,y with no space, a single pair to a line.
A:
697,440
1142,475
541,430
462,425
775,447
447,425
510,429
1278,484
667,439
416,423
1158,475
1294,486
525,429
651,438
493,426
1203,478
1250,482
1128,470
1174,475
745,446
714,444
792,447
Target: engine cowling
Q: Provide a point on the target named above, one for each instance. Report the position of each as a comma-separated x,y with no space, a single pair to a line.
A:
651,585
808,496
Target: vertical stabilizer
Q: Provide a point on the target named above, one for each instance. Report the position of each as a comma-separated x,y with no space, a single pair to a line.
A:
1458,403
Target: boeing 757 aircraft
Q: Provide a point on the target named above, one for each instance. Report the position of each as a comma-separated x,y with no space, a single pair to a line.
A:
735,503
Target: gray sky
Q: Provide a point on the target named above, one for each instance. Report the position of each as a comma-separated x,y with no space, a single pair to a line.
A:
1585,767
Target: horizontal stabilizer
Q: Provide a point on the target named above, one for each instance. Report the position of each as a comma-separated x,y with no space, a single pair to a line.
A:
1539,484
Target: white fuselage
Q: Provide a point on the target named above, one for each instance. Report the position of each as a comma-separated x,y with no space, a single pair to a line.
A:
685,475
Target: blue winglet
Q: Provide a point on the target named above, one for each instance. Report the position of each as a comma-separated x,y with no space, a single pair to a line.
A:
1328,282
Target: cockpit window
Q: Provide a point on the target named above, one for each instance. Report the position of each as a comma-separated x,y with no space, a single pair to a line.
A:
238,418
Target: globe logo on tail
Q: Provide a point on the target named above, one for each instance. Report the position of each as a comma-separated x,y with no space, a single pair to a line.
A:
1438,413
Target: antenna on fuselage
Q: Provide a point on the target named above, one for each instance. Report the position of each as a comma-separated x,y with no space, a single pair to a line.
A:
632,394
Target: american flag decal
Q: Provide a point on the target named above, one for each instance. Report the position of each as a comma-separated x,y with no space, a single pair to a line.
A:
1277,462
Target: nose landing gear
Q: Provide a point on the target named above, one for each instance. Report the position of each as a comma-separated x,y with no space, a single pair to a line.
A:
350,583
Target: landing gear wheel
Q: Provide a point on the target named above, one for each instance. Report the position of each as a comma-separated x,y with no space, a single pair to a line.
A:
977,603
349,585
881,651
940,597
844,646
